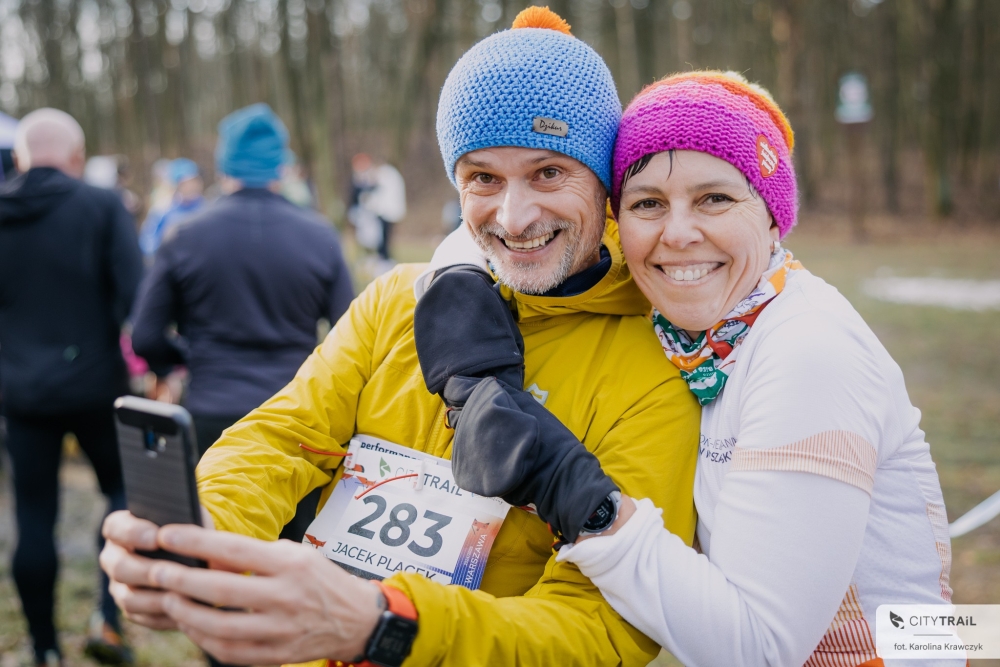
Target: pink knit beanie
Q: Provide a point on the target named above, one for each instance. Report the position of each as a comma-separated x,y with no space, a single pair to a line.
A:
719,113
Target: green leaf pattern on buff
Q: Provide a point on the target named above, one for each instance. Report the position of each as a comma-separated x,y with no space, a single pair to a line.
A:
700,365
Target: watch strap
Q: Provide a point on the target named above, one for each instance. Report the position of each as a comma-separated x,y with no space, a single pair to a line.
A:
398,603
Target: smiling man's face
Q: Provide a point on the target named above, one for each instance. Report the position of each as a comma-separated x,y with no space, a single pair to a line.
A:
538,215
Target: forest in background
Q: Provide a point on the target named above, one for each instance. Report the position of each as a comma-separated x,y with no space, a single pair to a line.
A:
152,78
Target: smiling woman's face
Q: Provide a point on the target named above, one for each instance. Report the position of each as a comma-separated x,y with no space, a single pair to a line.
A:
695,236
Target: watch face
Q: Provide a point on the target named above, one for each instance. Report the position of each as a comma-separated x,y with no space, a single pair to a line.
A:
392,640
602,517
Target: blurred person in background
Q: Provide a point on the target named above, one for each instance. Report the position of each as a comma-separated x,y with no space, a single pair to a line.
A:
132,202
110,172
245,282
378,202
294,184
367,227
188,190
69,271
451,215
8,126
162,192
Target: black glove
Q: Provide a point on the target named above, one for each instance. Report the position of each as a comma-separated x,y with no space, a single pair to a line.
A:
508,445
463,328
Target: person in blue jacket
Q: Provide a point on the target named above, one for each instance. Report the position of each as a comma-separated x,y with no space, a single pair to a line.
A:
188,198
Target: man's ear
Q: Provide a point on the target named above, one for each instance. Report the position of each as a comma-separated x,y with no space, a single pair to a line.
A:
78,162
21,168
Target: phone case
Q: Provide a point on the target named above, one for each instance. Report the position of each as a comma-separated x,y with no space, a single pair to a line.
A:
158,453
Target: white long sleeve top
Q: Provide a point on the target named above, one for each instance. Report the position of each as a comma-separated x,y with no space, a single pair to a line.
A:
817,501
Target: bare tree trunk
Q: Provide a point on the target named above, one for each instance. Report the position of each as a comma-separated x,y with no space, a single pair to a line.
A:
50,30
972,117
334,114
887,97
294,82
942,44
858,177
628,58
142,67
428,41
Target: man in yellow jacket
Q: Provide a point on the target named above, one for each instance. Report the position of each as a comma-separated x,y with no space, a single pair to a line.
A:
526,125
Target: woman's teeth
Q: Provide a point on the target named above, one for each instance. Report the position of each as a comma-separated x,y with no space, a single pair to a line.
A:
690,274
529,245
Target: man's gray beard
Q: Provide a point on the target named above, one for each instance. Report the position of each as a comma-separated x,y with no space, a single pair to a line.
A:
520,276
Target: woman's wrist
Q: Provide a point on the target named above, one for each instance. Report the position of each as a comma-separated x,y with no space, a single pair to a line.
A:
625,512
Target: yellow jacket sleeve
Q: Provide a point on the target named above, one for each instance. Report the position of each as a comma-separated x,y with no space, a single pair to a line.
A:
563,619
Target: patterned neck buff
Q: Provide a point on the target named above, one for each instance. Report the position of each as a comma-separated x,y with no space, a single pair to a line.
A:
706,363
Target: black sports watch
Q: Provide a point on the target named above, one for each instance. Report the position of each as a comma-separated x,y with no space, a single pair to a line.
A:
392,639
604,515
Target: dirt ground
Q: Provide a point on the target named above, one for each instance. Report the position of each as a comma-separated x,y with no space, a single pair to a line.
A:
950,358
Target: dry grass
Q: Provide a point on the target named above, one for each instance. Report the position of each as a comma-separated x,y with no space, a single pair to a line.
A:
951,360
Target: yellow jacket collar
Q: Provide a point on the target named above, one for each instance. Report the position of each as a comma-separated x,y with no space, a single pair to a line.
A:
615,294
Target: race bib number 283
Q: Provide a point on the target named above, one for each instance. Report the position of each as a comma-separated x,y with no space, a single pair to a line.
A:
399,510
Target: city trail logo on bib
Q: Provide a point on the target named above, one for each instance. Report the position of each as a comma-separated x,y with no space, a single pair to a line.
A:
537,393
551,126
766,157
383,468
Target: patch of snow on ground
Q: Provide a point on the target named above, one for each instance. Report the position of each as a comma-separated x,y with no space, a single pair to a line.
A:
977,295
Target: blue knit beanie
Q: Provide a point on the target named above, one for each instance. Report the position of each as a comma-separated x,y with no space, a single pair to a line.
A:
534,87
181,169
251,146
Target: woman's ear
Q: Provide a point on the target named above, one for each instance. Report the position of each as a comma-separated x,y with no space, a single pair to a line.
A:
774,231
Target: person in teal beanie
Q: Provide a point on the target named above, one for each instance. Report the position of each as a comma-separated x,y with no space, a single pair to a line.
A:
252,146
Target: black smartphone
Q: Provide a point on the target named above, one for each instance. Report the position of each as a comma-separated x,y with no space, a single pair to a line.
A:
159,454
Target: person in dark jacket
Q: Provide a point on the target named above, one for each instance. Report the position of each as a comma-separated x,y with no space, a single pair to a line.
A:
70,268
245,281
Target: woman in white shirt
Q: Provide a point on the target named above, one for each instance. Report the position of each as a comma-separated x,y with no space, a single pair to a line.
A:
817,497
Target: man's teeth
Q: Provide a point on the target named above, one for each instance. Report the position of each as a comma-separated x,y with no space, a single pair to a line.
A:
528,245
685,275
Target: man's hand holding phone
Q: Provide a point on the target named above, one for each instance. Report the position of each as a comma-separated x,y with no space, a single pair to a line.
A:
129,572
298,607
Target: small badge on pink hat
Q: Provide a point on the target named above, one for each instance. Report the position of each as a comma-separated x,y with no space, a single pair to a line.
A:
767,158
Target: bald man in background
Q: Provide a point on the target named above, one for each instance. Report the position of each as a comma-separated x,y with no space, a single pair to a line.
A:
70,268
